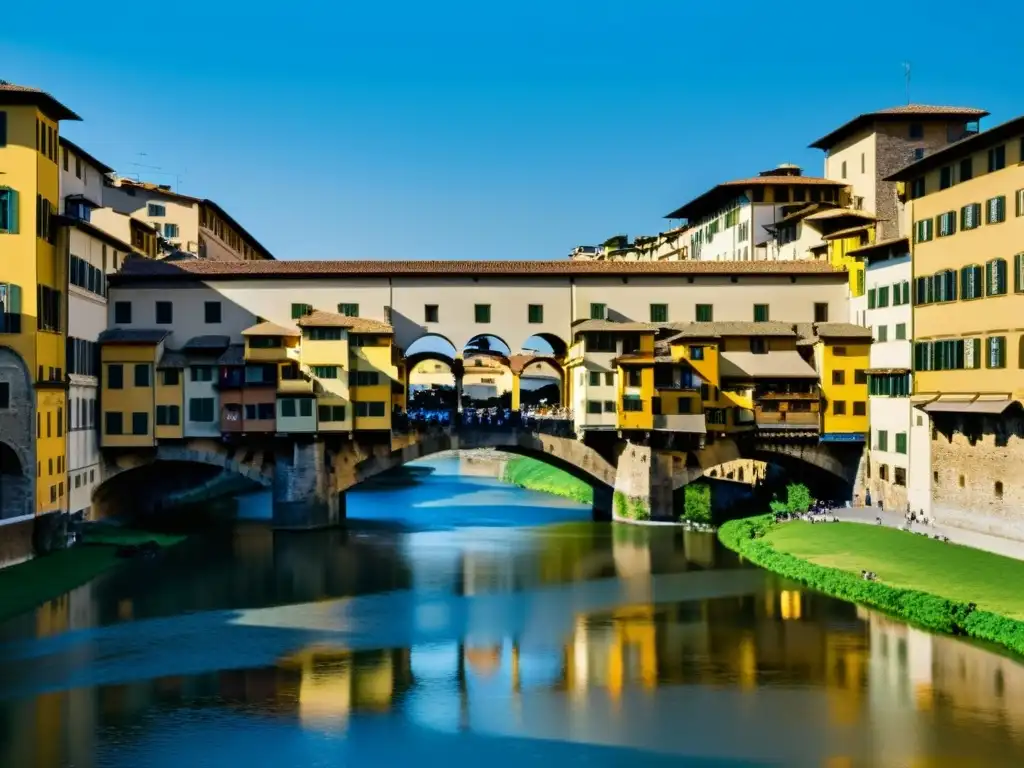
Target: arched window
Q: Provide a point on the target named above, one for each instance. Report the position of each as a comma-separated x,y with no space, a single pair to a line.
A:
971,282
995,277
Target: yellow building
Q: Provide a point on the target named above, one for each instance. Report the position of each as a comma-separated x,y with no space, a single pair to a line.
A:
128,394
635,375
33,303
841,353
373,373
966,208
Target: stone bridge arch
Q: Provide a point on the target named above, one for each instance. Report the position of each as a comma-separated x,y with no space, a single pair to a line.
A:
17,438
252,464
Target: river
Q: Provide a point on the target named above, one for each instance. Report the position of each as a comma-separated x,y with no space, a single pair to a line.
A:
464,621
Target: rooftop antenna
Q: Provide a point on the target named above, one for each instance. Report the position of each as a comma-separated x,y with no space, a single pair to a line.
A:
906,76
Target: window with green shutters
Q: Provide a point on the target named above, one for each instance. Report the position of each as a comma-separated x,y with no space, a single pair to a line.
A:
944,286
901,331
301,310
325,371
923,230
995,277
1018,273
882,333
882,443
597,311
996,353
705,313
8,211
860,282
535,313
760,313
995,210
947,223
883,296
482,313
632,404
348,310
970,216
872,298
901,442
659,313
971,286
595,378
906,291
1018,196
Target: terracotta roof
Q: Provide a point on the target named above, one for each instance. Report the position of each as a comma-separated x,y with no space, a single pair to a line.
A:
233,355
833,213
23,94
842,331
133,336
269,329
884,244
728,328
719,195
321,319
149,269
958,149
206,344
922,112
590,326
103,167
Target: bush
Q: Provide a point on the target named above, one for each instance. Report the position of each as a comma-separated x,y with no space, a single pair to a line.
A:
629,508
925,610
697,503
798,500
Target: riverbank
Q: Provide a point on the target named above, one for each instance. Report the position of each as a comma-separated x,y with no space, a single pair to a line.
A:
28,585
938,586
534,475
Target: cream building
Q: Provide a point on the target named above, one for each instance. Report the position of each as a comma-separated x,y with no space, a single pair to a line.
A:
484,377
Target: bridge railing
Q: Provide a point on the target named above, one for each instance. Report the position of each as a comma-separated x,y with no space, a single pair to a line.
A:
556,422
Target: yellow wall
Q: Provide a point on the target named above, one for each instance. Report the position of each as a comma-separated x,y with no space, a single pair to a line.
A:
855,358
708,367
974,318
838,251
373,359
171,394
643,419
331,391
670,402
51,472
272,355
130,399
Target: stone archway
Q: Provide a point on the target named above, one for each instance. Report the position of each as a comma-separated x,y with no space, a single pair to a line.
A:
17,430
15,485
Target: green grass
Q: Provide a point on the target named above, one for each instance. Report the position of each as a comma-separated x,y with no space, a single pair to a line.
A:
909,561
25,586
535,475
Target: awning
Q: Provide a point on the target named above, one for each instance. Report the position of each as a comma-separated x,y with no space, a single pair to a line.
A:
681,422
992,405
784,364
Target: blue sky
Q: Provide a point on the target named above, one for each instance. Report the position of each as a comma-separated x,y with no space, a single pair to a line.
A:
486,130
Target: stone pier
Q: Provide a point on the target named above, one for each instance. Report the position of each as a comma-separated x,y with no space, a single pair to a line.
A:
303,494
643,485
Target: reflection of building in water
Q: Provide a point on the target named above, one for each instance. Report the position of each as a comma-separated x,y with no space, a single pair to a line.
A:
613,651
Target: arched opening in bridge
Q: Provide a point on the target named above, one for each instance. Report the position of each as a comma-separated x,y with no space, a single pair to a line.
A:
487,378
430,364
15,485
541,380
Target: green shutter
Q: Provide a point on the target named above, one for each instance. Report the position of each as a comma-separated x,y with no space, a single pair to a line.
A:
871,298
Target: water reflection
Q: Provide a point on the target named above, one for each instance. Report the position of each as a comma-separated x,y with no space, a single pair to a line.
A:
565,641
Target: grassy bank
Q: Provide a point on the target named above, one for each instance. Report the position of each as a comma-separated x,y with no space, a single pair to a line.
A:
537,476
25,586
937,586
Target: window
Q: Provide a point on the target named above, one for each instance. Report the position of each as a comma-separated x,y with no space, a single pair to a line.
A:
882,333
883,296
839,407
170,231
882,440
843,170
202,372
164,313
705,313
970,216
917,188
211,312
901,331
430,313
301,310
971,286
820,312
348,310
860,408
659,313
966,170
760,313
839,377
923,231
947,224
325,371
168,415
482,313
365,378
140,423
997,158
609,379
918,153
370,409
996,351
123,312
609,406
916,131
594,379
946,177
8,210
995,210
200,409
901,442
264,411
330,413
632,404
535,313
634,377
156,210
50,304
759,346
597,311
593,406
1018,198
995,277
860,376
696,353
863,166
115,376
142,374
872,298
170,377
288,409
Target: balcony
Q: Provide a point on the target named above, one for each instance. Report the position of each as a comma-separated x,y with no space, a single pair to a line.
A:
798,420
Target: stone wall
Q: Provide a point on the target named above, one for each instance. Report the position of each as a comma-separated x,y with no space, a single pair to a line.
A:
643,484
17,433
976,465
16,542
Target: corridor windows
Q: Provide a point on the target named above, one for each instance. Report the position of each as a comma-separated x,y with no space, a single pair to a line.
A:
164,313
482,313
317,334
200,409
997,158
535,313
8,210
325,371
659,313
142,374
431,313
758,345
115,376
113,423
211,312
123,312
598,311
705,313
348,310
760,313
140,423
168,416
301,310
